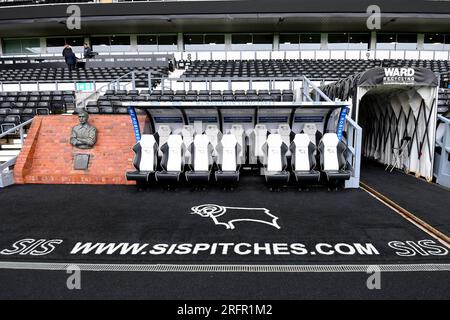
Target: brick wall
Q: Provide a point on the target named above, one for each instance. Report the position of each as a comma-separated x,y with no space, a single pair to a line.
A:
47,156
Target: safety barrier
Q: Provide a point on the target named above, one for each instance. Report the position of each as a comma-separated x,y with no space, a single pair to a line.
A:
325,54
6,176
303,85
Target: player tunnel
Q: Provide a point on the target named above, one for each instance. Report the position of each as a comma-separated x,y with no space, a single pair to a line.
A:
397,110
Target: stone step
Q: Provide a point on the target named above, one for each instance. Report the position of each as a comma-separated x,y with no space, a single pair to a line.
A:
5,158
17,141
11,147
9,152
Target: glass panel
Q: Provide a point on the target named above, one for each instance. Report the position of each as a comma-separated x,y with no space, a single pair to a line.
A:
167,43
434,38
310,38
167,40
359,38
147,43
337,38
263,38
434,41
386,41
241,38
55,42
75,41
406,41
359,41
100,41
338,41
310,41
120,43
289,38
31,46
447,39
147,40
120,40
215,38
386,38
22,46
55,45
193,39
12,46
100,44
407,38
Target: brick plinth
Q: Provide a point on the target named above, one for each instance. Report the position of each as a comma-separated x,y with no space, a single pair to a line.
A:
47,156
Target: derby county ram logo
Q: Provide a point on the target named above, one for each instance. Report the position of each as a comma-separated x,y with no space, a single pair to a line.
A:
228,216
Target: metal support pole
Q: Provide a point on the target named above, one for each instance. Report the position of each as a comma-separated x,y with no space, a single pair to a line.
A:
21,133
305,87
133,80
150,87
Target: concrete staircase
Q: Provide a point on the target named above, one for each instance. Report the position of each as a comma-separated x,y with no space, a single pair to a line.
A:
9,150
176,74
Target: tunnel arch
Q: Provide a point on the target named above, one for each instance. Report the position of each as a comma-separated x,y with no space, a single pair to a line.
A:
391,104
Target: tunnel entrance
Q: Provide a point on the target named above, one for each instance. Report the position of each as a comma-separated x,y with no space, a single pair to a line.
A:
397,110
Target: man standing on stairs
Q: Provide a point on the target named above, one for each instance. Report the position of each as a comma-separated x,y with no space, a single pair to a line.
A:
70,57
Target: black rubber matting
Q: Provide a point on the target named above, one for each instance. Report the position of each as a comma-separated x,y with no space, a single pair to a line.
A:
428,201
287,227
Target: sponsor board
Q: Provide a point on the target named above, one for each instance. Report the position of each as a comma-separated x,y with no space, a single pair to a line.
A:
405,76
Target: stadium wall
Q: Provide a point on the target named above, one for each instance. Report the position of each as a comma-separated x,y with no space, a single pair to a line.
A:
47,156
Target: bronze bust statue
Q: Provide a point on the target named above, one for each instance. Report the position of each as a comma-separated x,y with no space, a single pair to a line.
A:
84,135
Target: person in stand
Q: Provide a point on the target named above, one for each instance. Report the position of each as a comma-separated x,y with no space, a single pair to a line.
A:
87,51
66,50
70,58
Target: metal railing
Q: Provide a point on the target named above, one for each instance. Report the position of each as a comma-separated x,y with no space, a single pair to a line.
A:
304,85
441,161
309,87
354,146
23,3
19,128
116,84
45,86
157,58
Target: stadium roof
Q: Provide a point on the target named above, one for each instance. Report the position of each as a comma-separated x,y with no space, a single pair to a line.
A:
228,16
